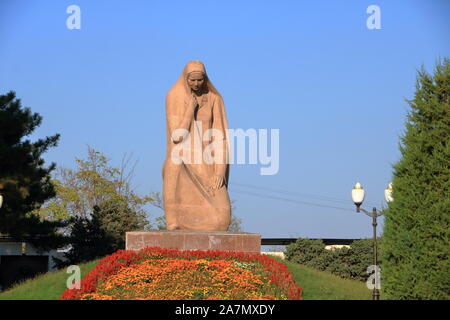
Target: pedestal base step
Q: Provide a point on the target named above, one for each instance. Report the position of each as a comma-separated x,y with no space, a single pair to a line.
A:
195,240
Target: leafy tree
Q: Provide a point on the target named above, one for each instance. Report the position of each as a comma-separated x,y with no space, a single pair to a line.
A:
24,176
417,223
95,183
99,202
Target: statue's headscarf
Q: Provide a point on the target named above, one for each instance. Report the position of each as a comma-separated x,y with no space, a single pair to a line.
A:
182,85
180,94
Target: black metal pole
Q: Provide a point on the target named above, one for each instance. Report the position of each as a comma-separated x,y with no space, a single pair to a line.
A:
376,292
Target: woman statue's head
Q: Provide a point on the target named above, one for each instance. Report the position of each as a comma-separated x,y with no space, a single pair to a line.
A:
195,71
195,81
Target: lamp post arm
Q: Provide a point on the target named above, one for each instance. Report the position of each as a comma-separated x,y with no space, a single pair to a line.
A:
373,213
366,212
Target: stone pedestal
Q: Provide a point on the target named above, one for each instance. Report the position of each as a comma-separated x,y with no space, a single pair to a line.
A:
195,240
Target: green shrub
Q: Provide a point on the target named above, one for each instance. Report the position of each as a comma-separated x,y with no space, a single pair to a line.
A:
362,257
338,262
349,263
303,251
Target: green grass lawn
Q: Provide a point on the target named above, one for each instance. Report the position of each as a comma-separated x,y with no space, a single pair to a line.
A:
317,285
320,285
48,286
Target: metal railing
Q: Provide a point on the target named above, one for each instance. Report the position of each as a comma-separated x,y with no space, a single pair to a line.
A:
287,241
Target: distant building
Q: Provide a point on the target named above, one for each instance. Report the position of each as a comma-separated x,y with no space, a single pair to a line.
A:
20,261
336,246
277,246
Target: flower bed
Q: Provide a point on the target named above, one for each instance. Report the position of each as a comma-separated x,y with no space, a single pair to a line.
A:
166,274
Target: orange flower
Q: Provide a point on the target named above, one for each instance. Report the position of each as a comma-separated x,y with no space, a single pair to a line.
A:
156,273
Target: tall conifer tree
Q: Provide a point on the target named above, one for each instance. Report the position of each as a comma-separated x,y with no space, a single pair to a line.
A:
416,238
23,175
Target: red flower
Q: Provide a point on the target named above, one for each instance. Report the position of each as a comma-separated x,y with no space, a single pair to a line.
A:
277,272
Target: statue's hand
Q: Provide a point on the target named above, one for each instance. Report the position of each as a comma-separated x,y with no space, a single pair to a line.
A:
217,182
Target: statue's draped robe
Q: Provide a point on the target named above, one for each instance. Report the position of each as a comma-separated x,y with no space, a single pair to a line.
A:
189,202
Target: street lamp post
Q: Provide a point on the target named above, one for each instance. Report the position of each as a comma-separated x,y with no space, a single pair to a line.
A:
358,198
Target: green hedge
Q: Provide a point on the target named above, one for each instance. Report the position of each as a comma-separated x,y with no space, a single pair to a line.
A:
348,263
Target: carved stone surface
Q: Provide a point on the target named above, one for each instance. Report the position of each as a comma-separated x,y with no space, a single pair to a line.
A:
195,240
196,169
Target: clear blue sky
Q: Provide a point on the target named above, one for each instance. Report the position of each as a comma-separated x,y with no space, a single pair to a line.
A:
335,89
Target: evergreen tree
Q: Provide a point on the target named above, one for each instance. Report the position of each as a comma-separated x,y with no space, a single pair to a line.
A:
416,244
88,239
25,179
116,219
100,234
